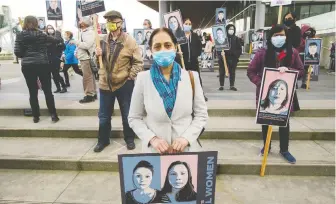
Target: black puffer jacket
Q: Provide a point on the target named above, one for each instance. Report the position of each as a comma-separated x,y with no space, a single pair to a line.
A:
56,49
235,44
31,47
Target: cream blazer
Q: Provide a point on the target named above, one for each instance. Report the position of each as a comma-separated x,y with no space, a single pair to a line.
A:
148,118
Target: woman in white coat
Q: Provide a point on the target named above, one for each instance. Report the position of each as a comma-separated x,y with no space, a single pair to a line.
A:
175,112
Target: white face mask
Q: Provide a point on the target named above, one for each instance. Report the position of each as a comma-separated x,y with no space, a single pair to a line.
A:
230,32
51,31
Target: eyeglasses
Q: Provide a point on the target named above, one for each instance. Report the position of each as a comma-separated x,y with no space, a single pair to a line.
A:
112,21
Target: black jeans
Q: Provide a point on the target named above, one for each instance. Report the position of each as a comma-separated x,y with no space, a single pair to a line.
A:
106,104
283,136
55,70
193,66
31,74
75,68
232,65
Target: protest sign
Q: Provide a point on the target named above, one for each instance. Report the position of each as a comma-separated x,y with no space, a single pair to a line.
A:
157,174
312,51
89,7
54,10
221,16
280,2
173,21
41,23
220,36
207,62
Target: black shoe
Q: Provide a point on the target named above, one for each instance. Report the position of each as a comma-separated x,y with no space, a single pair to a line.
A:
221,88
304,86
100,147
64,90
205,98
67,85
130,145
54,118
95,97
232,88
217,76
36,119
57,91
87,99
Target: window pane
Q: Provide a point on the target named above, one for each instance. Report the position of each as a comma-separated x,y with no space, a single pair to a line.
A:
304,11
319,9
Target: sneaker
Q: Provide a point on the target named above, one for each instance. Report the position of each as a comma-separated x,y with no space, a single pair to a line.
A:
304,86
288,157
64,90
57,91
67,85
263,150
54,118
36,119
232,88
100,147
221,88
130,145
87,99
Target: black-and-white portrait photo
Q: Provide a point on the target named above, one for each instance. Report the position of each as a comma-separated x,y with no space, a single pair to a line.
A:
41,23
173,21
148,53
221,16
147,34
221,40
54,10
139,36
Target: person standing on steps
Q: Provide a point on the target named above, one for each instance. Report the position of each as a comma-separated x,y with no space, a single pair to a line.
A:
69,58
54,53
85,50
122,62
279,54
232,58
192,49
31,46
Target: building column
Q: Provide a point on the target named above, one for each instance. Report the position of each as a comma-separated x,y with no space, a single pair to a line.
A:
260,15
172,5
163,8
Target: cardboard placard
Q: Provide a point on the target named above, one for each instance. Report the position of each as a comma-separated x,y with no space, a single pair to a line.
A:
276,97
220,36
174,22
280,2
220,16
89,7
41,23
313,51
54,10
193,173
207,62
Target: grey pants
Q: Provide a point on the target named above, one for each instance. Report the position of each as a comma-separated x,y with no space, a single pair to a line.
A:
89,83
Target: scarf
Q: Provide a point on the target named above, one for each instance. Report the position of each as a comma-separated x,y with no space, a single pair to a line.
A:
167,90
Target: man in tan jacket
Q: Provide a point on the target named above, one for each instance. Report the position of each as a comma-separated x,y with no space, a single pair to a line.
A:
122,61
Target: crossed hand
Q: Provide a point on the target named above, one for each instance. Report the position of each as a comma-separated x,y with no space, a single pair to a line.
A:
162,146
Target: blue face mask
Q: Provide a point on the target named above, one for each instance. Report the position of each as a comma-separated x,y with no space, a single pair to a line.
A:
172,26
187,28
278,41
164,58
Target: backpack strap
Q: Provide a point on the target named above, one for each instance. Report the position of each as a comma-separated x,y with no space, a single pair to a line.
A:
192,81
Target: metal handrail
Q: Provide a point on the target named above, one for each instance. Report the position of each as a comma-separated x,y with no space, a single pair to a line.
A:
242,11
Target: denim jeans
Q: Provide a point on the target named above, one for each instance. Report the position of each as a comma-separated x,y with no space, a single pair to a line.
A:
106,104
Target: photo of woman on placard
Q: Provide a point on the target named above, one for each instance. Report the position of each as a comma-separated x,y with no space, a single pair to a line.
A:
175,27
178,186
276,98
142,192
139,37
148,53
147,37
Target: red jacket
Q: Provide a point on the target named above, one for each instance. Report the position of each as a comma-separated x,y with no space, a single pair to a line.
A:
301,48
256,68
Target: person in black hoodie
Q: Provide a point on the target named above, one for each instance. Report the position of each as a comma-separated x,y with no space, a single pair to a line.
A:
192,49
294,32
232,58
55,53
31,46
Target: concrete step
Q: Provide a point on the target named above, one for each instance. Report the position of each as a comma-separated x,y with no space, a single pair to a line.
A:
314,158
31,186
217,128
245,108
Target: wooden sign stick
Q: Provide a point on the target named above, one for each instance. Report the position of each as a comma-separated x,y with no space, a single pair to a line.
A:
181,55
279,15
225,64
100,58
266,149
308,76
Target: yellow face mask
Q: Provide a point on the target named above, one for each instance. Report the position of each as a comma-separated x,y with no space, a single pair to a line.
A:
111,26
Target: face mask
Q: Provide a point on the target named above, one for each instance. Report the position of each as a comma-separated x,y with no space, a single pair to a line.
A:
51,31
278,41
187,28
230,32
172,26
289,22
111,26
164,58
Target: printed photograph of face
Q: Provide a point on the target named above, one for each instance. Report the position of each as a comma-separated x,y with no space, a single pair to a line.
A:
147,53
206,56
124,26
257,45
257,36
277,92
220,36
173,21
147,34
139,36
312,51
198,32
142,50
220,15
41,23
54,10
179,175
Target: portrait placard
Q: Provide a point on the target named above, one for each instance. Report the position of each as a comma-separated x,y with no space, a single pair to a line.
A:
313,51
138,35
221,40
173,21
54,10
221,16
90,7
276,97
193,173
207,62
41,23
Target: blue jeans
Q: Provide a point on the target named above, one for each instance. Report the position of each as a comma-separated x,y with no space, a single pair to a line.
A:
106,104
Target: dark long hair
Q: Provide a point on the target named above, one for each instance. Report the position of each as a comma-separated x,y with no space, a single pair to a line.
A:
187,193
166,30
266,102
143,164
179,29
289,12
270,57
